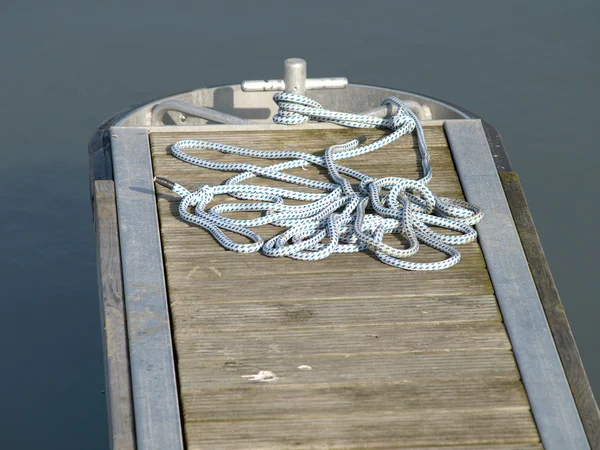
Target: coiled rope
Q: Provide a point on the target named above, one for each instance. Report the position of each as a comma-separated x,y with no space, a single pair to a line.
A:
335,221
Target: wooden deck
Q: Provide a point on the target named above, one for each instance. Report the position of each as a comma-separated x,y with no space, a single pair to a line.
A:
398,359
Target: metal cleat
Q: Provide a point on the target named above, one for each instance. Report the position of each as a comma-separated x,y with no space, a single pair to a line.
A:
294,80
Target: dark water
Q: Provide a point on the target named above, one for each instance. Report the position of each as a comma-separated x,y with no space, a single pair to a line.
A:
530,68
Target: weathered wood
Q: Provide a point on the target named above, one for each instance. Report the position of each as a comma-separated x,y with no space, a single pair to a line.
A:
227,371
276,314
311,285
362,431
475,447
292,137
326,400
397,359
555,313
215,262
344,339
185,242
112,316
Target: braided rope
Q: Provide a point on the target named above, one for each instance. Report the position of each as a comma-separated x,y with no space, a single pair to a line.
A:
338,215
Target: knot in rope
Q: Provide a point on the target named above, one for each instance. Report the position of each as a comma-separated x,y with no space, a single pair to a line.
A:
336,220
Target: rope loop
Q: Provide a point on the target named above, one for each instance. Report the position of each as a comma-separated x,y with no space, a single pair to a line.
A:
340,218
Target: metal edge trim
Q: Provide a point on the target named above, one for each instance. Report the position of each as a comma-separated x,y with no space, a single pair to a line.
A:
495,141
554,309
542,373
135,109
151,353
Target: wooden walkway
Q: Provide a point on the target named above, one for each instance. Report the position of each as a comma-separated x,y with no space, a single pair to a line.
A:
397,359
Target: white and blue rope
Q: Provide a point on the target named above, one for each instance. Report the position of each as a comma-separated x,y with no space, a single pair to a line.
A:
335,221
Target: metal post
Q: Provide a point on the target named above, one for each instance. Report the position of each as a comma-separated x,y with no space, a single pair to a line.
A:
294,76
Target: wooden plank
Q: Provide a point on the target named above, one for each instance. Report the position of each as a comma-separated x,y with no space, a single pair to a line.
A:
358,284
398,162
362,431
193,177
184,253
218,263
393,154
292,137
476,447
271,401
112,316
275,314
555,313
468,364
388,349
342,340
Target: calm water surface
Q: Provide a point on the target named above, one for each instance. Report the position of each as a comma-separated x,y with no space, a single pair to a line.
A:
530,68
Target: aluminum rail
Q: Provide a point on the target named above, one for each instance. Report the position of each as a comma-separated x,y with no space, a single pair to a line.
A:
423,112
159,110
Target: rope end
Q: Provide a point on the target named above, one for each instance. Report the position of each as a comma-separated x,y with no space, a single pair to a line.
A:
361,139
164,182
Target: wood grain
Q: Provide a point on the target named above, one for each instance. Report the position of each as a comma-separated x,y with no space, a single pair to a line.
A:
311,285
263,402
342,340
275,314
361,430
397,359
112,316
415,367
